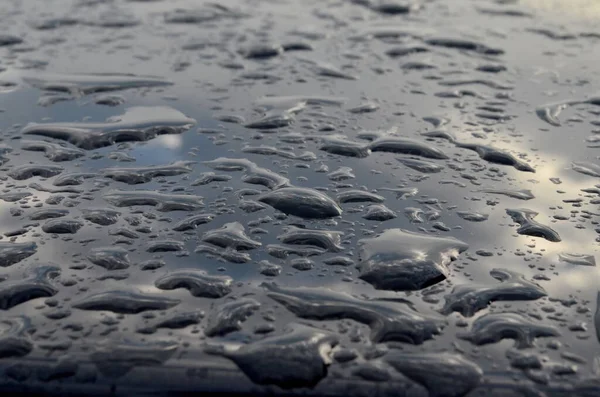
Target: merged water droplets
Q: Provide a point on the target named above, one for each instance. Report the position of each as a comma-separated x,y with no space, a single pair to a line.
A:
494,155
14,196
229,316
115,358
210,177
283,251
231,235
12,252
272,151
72,179
161,201
136,175
577,259
48,214
84,84
254,174
470,298
327,239
192,222
100,216
165,246
472,216
136,124
387,320
341,174
586,168
14,340
550,112
492,328
53,151
197,282
28,171
110,258
442,374
426,167
174,321
298,358
524,217
401,260
521,194
38,284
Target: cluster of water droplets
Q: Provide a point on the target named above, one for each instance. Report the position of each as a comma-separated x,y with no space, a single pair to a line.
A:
329,197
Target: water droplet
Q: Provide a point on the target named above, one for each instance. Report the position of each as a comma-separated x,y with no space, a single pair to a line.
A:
302,202
198,282
298,358
12,253
443,374
529,227
401,260
468,299
135,175
136,124
161,201
27,171
62,226
36,285
492,328
229,316
125,302
388,320
359,196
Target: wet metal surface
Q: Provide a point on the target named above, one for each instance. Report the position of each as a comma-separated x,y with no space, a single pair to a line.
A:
347,197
